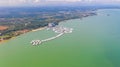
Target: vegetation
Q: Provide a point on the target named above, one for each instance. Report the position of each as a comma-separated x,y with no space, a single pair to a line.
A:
20,19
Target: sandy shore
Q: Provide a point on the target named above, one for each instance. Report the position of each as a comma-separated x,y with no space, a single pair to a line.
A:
38,29
4,41
42,28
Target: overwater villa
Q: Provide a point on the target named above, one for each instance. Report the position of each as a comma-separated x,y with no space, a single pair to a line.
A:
57,29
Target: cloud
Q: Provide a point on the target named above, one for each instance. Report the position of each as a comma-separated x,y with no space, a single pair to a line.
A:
45,2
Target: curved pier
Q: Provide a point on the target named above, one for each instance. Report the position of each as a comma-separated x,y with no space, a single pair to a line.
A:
53,37
60,30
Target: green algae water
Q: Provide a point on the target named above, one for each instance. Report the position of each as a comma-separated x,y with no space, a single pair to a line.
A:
95,42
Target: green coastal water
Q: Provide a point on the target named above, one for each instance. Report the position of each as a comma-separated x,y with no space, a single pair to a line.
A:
95,42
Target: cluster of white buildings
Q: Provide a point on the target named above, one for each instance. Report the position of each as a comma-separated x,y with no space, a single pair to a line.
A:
62,29
36,42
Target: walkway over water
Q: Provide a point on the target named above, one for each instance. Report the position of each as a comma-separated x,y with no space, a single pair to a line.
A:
60,30
53,37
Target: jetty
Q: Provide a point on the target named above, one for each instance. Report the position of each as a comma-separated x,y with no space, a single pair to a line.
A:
53,37
58,29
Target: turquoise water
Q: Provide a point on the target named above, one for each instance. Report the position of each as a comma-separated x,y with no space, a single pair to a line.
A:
95,42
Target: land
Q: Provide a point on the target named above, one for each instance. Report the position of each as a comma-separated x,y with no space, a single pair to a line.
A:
2,28
19,20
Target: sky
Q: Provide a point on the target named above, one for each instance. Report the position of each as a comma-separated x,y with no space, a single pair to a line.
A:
54,2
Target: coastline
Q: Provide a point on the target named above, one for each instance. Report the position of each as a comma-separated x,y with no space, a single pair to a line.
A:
34,30
41,28
38,29
94,38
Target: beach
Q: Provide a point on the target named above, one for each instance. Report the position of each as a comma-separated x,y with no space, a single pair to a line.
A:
38,29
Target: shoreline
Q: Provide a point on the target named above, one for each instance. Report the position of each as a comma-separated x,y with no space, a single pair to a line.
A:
41,28
38,29
4,41
34,30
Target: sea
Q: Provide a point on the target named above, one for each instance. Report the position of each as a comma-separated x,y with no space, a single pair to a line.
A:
94,42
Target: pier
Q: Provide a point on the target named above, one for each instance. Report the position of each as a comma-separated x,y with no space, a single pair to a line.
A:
60,30
53,37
